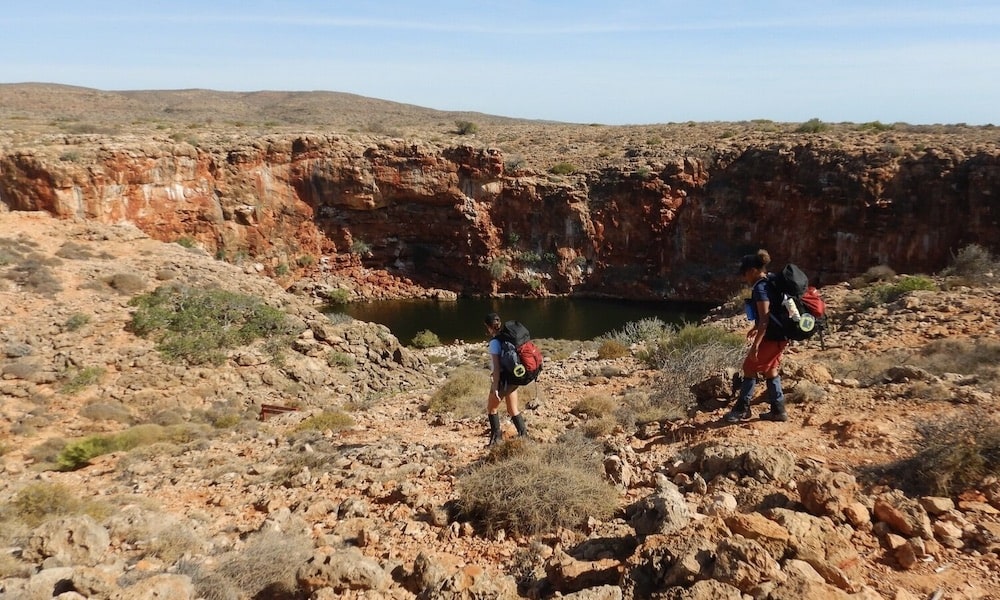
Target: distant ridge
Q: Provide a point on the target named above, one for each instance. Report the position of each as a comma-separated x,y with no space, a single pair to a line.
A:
311,108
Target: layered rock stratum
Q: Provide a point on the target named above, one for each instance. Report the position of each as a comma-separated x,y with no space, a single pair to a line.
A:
512,207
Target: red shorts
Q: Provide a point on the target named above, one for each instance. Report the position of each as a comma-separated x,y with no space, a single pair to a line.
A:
768,358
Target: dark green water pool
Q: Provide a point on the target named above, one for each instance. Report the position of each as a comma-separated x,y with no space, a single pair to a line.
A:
559,318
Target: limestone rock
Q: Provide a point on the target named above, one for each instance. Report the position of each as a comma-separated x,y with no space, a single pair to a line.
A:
74,540
342,570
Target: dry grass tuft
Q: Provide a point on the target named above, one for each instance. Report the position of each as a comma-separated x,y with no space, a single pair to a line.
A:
463,394
333,420
40,501
955,455
536,488
264,568
612,349
594,406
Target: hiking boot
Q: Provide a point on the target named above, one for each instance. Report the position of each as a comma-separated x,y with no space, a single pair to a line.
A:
775,415
735,416
496,434
522,430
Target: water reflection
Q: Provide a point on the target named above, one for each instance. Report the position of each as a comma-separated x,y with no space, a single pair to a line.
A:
560,318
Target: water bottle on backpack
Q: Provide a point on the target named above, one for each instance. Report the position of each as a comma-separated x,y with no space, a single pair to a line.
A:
793,311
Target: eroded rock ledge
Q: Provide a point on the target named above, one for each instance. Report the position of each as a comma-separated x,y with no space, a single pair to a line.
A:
382,216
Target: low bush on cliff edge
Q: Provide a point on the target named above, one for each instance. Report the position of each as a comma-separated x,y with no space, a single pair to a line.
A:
198,325
973,263
465,127
955,454
526,488
562,168
425,339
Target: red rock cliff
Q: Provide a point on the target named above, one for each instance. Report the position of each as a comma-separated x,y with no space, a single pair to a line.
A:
454,218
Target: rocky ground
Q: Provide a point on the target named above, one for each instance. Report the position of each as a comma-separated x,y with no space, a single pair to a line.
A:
228,506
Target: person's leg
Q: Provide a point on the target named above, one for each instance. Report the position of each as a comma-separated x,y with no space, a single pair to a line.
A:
515,413
775,394
776,397
741,410
492,405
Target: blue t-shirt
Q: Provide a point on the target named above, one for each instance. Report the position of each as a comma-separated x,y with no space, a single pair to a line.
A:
763,291
494,347
759,292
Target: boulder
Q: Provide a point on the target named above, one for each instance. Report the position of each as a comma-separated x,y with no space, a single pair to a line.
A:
827,493
74,540
342,570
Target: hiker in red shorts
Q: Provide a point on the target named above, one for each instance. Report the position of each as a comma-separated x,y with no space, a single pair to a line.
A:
767,343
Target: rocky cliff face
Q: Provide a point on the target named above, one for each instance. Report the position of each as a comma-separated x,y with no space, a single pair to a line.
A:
465,219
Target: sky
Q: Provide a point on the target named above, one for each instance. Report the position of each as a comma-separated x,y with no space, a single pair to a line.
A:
613,62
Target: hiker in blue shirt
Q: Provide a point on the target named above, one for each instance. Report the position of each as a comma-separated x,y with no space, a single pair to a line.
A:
767,343
500,387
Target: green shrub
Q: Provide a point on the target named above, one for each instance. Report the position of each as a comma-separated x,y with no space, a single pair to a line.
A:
876,126
40,501
813,125
692,341
186,242
972,261
531,488
562,168
360,247
337,296
498,267
635,332
225,421
956,454
463,393
465,127
890,292
197,325
76,321
529,257
612,349
334,420
81,379
78,454
340,359
684,357
425,339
